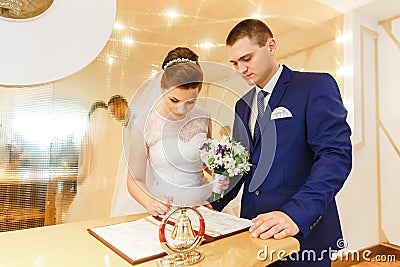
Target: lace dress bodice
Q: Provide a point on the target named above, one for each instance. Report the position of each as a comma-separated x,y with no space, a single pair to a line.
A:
173,153
157,127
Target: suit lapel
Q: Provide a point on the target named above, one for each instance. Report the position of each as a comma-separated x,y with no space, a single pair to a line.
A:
245,116
280,88
277,94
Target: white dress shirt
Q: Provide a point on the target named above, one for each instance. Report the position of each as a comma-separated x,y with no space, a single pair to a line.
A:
269,87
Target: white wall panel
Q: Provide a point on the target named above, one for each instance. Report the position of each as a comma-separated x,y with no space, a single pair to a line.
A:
358,201
389,135
390,184
389,88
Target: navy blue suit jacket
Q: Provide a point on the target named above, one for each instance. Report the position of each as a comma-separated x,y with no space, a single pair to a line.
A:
301,162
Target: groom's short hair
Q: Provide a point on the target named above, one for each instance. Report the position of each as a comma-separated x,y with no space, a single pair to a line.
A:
254,29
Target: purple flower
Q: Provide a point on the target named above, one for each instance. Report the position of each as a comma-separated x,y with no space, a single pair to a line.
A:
203,146
221,149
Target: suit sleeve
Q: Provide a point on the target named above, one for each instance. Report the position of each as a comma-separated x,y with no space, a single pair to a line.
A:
328,136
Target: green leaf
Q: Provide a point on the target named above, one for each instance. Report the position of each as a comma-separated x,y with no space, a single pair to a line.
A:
238,160
215,196
221,171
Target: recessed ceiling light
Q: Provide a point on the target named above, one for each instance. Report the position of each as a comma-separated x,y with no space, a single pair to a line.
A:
256,16
171,14
206,45
110,60
128,41
119,26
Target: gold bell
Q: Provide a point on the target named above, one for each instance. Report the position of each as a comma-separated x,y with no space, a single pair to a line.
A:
183,234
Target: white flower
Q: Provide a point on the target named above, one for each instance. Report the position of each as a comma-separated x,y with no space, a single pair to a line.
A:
218,160
225,155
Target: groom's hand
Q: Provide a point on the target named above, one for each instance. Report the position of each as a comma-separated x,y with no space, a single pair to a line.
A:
274,224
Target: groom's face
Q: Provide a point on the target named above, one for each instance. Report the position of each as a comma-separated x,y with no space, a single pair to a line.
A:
255,63
179,101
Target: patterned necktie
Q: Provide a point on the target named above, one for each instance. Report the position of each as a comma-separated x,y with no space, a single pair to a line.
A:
261,110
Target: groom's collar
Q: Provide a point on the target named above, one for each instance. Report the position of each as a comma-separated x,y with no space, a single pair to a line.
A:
269,87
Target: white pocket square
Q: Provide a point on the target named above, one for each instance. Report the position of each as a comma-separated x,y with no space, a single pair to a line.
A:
280,113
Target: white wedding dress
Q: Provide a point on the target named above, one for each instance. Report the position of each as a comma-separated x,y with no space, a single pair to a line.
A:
176,169
172,166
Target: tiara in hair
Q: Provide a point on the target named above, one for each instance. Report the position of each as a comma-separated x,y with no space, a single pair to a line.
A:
182,59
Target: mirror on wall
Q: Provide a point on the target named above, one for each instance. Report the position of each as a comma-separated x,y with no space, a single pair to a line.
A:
50,148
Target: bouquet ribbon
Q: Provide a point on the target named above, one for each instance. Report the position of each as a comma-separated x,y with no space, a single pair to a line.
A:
216,190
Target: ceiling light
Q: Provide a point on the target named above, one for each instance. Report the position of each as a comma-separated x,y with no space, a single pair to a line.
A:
110,60
119,26
256,16
128,41
171,14
206,45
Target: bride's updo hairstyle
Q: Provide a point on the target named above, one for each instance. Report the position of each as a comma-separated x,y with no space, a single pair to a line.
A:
181,69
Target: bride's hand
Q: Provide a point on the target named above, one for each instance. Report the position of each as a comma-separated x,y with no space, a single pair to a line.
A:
223,182
157,207
205,204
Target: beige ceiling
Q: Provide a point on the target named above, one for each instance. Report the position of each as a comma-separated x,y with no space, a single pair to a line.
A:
377,9
143,34
209,21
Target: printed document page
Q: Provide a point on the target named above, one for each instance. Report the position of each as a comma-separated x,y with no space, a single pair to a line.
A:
137,239
222,223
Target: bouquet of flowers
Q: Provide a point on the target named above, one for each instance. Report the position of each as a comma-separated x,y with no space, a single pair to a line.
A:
226,157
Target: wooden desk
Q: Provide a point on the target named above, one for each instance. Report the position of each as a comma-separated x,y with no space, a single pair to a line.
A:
70,244
30,199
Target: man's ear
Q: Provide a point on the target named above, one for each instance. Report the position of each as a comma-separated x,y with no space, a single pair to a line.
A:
271,44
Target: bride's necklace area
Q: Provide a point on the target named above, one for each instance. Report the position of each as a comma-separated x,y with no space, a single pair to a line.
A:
162,111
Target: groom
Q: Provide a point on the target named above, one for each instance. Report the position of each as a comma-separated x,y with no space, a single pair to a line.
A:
294,124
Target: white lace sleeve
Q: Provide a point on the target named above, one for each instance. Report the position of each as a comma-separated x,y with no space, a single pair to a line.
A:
197,122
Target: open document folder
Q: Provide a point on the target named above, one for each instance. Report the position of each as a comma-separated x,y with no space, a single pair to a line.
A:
138,241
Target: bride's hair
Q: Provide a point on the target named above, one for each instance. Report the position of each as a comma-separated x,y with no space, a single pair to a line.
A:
181,69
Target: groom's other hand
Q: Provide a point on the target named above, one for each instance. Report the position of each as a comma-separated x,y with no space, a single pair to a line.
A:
274,224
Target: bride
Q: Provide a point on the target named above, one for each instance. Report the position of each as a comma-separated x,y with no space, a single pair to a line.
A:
162,140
